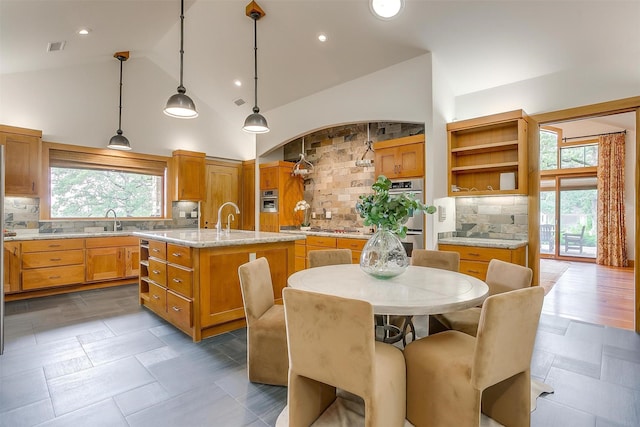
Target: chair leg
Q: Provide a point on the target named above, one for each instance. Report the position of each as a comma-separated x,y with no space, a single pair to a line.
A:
307,399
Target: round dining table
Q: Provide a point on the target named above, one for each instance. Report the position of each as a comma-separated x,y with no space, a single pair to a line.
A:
417,291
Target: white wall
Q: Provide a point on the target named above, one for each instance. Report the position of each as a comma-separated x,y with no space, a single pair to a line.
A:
79,106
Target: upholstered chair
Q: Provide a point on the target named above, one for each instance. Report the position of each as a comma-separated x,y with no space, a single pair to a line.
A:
501,277
267,356
452,377
332,345
444,260
322,257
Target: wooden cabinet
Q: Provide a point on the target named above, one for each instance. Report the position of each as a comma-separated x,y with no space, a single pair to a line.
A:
110,258
188,169
22,160
400,158
277,175
488,155
248,199
474,260
50,263
12,260
323,242
301,255
222,185
166,282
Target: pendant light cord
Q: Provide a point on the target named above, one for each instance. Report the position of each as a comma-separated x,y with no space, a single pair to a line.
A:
255,17
120,105
181,88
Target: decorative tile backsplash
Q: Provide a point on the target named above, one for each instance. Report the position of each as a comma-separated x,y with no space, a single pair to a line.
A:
21,213
494,217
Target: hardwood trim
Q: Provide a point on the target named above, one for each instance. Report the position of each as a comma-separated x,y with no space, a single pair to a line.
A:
21,131
486,120
68,289
406,140
603,108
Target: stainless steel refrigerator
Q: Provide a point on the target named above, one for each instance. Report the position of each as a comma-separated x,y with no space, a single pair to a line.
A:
2,246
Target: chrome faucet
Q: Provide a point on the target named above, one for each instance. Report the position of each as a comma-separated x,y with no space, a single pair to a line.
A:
115,218
219,223
230,218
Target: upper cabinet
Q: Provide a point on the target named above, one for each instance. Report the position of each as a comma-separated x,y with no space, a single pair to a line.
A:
400,158
488,155
22,149
189,175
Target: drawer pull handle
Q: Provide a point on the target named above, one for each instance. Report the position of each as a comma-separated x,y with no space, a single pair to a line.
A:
176,254
474,271
177,280
156,250
55,259
54,277
155,296
155,271
176,308
474,254
54,245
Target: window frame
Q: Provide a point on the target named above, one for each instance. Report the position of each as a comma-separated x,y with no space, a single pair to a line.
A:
109,159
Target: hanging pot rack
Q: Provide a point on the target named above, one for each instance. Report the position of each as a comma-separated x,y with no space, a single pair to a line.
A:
366,162
302,167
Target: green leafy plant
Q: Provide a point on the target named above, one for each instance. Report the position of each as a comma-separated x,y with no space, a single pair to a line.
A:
389,211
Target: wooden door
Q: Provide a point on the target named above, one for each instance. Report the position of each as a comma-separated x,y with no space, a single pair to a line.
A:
385,162
248,206
222,186
189,174
104,264
132,261
21,164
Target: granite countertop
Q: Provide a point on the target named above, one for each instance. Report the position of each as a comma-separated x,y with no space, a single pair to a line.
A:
331,233
207,238
484,243
77,235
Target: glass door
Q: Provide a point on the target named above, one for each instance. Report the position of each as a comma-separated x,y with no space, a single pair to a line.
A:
548,221
578,217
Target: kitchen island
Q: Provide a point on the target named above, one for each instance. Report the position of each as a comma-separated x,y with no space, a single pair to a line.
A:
190,277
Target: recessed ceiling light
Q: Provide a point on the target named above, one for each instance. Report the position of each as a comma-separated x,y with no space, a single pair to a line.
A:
237,82
386,9
322,37
84,31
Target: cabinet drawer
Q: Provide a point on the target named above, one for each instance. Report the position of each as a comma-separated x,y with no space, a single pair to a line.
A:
52,276
353,244
52,245
179,310
158,271
52,258
474,253
180,280
327,242
157,298
476,269
157,249
180,255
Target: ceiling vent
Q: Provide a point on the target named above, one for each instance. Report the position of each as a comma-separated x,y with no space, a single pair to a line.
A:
55,46
239,101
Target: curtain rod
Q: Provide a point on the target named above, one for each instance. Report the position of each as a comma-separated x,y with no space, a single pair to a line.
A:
597,134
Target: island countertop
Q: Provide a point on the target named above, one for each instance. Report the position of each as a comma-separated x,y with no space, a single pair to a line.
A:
480,242
207,238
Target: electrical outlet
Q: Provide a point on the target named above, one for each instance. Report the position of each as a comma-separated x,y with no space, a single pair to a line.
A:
194,214
183,214
313,215
327,215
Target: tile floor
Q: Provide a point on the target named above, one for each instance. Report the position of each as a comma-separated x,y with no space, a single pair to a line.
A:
97,358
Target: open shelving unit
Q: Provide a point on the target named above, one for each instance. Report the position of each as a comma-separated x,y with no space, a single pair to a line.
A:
482,149
144,270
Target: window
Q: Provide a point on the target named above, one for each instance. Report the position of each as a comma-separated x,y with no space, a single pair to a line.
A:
85,183
579,156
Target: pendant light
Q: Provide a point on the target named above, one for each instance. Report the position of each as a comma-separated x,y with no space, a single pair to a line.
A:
119,141
364,163
180,105
255,123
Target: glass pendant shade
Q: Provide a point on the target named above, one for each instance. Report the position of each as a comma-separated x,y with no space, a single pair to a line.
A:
119,142
255,123
181,106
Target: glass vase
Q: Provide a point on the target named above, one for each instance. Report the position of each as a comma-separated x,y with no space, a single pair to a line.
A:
383,256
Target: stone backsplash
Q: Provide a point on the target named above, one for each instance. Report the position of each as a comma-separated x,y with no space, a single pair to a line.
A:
494,217
336,182
21,213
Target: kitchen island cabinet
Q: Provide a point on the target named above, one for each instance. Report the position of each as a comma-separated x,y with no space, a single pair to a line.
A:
190,277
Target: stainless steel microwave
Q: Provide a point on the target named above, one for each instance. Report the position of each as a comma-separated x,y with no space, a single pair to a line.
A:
269,201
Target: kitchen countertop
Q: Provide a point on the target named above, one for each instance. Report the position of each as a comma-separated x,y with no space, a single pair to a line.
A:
77,235
207,238
331,233
484,243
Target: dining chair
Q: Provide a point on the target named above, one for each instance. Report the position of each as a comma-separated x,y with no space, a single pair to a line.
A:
445,260
501,277
452,377
322,257
332,345
267,355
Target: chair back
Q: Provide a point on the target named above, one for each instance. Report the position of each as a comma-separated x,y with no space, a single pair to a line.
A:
331,339
506,335
546,232
322,257
444,260
256,287
504,276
